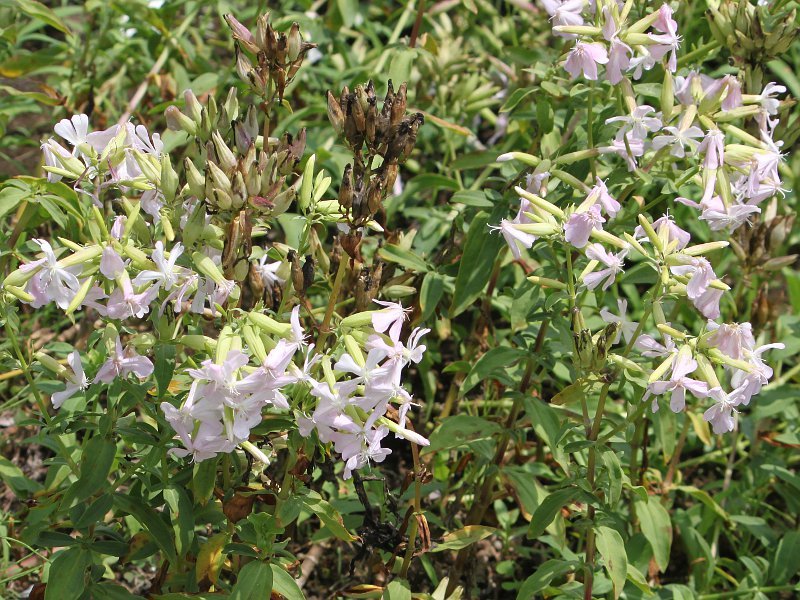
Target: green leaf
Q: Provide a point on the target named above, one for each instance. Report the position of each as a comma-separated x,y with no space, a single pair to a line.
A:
705,498
97,459
430,293
253,581
657,528
14,478
547,425
548,510
37,10
401,64
397,590
495,362
546,572
405,258
459,430
475,268
285,584
614,472
516,97
329,516
111,591
11,196
204,476
66,580
476,198
461,538
786,563
164,367
180,508
95,512
612,549
151,521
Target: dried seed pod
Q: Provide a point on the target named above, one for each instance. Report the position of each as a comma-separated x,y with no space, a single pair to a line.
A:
362,290
298,279
335,114
371,123
308,272
346,189
374,195
351,242
389,176
398,108
336,255
294,42
255,281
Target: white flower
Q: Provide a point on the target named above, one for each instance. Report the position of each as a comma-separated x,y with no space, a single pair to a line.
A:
613,263
76,381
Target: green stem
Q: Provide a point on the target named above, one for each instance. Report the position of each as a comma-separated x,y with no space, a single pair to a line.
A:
747,592
12,336
326,321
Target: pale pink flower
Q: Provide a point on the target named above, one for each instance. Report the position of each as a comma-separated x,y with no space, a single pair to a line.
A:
613,263
678,140
767,97
269,271
167,274
389,318
619,55
124,302
584,58
651,348
751,383
122,362
76,381
52,282
699,270
627,327
674,233
580,225
111,263
708,303
599,194
732,339
565,12
679,383
514,237
721,414
637,124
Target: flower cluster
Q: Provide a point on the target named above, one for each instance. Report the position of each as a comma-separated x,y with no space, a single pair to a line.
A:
131,271
350,403
732,170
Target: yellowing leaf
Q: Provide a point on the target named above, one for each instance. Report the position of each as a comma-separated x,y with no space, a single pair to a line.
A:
461,538
209,559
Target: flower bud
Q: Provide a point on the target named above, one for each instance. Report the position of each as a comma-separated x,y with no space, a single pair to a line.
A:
84,255
241,34
50,363
80,296
254,342
169,179
269,325
661,370
19,277
18,293
545,282
358,320
226,158
540,202
177,121
306,186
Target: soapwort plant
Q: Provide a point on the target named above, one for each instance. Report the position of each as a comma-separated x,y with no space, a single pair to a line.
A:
493,310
